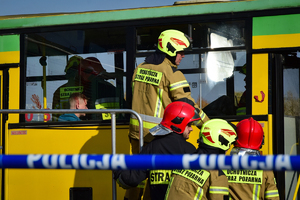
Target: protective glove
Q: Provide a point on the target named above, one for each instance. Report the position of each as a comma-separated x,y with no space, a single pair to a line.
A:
116,174
122,184
117,177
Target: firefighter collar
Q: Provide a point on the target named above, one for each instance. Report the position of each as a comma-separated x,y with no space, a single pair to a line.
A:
160,130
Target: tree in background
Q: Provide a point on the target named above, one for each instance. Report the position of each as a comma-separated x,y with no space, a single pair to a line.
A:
291,105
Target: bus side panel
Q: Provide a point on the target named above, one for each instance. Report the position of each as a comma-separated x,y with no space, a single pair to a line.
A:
260,97
260,84
10,54
55,184
9,49
266,147
194,136
276,31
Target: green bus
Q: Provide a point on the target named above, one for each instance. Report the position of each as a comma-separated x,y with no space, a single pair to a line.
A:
238,46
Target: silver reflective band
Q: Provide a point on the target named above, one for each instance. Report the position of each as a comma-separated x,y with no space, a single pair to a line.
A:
159,130
148,118
244,151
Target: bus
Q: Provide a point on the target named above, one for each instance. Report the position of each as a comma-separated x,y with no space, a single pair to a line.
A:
238,46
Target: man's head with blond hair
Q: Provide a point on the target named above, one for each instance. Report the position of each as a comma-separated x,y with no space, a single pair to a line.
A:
78,101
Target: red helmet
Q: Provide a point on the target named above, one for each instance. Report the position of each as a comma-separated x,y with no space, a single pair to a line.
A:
250,134
92,65
178,115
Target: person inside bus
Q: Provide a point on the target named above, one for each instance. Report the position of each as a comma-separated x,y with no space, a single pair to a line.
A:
74,84
215,137
250,184
170,138
87,76
241,106
155,84
223,105
107,96
76,101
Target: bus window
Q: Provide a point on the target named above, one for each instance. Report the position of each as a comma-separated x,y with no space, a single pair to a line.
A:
210,87
86,61
201,33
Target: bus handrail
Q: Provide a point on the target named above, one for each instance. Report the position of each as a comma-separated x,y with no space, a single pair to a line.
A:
87,111
90,111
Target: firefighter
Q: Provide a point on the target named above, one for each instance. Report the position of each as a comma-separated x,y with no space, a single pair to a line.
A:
87,76
250,184
170,138
104,95
156,83
215,137
62,94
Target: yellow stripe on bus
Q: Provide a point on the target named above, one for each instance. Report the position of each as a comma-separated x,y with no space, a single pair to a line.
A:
259,84
14,94
9,57
276,41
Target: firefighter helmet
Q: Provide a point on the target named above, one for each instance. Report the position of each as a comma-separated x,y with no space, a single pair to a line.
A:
250,134
92,66
172,41
217,133
74,62
178,115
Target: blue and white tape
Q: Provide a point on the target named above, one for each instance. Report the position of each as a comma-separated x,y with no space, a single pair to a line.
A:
122,161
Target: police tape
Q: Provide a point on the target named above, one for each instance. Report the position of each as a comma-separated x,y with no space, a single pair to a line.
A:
122,161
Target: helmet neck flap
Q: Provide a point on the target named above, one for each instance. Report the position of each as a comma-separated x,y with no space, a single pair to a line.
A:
176,117
244,151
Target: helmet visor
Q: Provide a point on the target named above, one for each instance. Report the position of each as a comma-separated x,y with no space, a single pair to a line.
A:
195,119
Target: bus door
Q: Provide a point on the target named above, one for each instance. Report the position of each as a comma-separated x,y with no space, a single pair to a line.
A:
286,111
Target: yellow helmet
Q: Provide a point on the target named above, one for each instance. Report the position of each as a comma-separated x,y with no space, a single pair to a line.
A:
74,61
218,133
172,41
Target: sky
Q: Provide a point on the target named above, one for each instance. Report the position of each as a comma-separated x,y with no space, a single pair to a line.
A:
17,7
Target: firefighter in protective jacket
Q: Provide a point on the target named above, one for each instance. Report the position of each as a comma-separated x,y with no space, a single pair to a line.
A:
157,82
215,137
170,138
250,184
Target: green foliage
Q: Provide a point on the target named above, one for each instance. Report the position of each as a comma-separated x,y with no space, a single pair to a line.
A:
291,105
